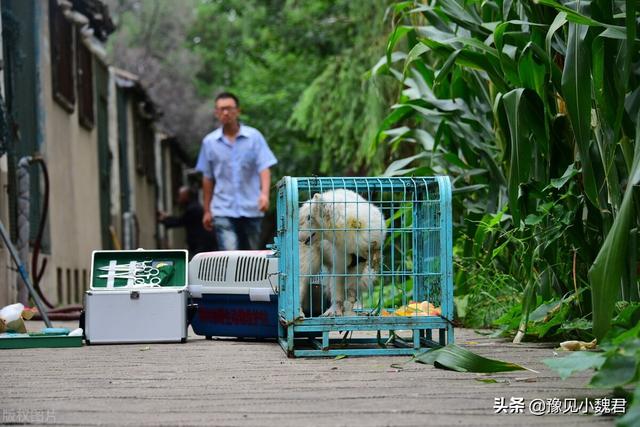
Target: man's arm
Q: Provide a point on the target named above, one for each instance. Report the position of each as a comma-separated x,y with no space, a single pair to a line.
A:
172,221
207,196
265,186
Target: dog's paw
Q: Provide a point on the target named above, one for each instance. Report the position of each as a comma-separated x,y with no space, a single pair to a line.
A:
329,313
336,309
349,309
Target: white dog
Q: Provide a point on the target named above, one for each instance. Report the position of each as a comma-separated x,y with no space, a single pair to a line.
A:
342,234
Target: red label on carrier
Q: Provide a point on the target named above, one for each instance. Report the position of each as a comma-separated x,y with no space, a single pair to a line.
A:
233,316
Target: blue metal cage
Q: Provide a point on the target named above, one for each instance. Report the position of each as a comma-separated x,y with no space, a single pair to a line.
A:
365,265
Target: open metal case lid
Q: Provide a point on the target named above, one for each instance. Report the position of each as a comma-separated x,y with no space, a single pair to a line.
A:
159,269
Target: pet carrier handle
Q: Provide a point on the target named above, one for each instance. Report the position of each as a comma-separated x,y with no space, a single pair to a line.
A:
274,248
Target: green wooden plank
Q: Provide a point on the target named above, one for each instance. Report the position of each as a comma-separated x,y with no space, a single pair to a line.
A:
41,342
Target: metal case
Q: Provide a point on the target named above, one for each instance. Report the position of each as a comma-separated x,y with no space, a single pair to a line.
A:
127,314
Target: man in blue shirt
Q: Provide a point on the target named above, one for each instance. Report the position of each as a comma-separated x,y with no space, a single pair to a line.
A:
235,162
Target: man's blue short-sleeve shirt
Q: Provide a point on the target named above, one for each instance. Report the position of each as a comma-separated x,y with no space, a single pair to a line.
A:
236,168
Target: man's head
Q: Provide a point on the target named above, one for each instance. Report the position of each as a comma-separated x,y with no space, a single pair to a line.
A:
184,195
227,108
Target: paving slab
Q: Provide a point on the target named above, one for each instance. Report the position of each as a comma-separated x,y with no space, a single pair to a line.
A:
228,382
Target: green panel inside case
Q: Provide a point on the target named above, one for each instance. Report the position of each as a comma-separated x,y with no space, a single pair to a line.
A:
172,266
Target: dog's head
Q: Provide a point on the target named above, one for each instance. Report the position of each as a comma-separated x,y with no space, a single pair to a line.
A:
354,222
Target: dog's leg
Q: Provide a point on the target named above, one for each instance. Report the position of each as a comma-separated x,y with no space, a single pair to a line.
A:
337,293
361,278
354,282
352,290
335,289
337,299
309,267
304,297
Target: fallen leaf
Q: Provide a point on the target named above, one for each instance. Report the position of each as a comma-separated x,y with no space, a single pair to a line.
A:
487,380
456,358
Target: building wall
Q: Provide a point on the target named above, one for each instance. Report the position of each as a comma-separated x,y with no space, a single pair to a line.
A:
70,151
71,154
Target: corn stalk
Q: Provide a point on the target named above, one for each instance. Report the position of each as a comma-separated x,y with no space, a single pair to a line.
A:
532,107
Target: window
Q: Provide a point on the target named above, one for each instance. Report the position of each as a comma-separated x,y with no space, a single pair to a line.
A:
84,63
61,42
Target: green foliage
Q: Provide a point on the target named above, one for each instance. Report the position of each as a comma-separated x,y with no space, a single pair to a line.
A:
617,365
299,71
553,319
532,107
341,111
576,362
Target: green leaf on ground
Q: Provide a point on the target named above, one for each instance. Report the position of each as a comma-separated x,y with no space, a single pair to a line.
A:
575,362
632,417
459,359
617,370
487,380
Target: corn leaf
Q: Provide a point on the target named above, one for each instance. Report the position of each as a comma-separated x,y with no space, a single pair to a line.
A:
519,105
458,359
398,34
606,271
572,15
576,87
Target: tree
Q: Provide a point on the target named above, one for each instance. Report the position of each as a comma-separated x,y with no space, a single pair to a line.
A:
150,42
299,70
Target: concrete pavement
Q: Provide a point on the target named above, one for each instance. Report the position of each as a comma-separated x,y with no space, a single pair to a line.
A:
243,383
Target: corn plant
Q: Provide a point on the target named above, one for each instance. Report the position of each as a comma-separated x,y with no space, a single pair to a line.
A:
532,107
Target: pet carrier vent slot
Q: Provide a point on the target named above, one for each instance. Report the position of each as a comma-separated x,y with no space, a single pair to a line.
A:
251,269
213,269
240,267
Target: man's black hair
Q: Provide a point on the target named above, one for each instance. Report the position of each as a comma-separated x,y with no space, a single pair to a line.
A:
226,95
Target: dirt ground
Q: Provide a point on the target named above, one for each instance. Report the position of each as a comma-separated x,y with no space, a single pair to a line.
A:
243,383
